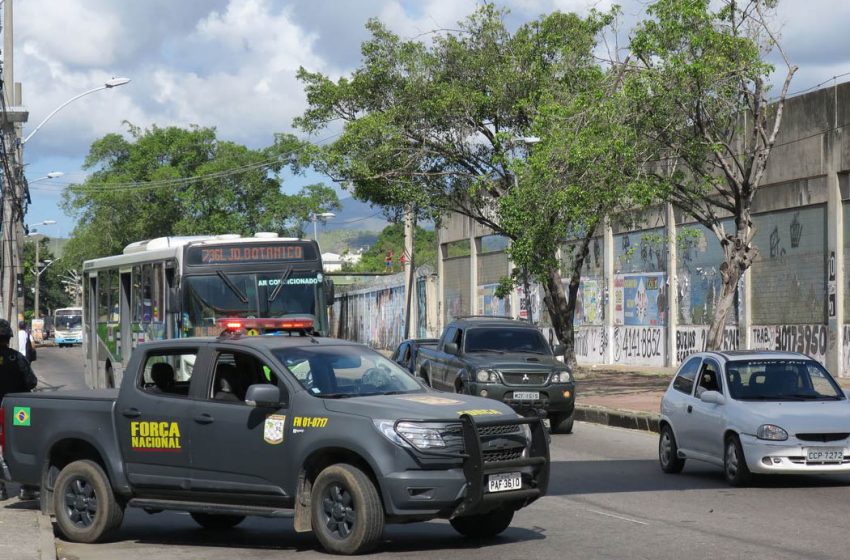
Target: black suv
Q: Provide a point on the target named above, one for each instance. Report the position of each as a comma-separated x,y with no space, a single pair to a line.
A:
503,359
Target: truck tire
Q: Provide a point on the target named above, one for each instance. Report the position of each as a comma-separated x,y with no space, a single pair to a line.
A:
347,515
561,423
215,522
483,526
85,506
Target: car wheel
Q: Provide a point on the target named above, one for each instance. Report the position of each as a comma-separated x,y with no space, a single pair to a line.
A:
561,423
483,526
347,515
668,451
85,506
217,522
734,463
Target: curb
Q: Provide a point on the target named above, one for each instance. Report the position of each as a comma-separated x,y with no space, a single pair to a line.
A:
645,421
46,540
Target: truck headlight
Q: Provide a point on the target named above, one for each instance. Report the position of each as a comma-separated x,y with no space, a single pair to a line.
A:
562,376
771,432
421,436
486,376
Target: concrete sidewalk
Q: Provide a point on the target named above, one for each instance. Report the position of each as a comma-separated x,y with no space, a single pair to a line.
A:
25,534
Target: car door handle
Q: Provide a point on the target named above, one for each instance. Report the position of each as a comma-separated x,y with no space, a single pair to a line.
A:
131,412
690,409
204,418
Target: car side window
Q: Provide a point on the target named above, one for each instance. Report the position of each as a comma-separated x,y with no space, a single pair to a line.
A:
684,382
709,378
234,372
459,338
168,372
450,335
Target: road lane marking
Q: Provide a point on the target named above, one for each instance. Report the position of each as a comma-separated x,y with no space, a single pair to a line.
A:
620,517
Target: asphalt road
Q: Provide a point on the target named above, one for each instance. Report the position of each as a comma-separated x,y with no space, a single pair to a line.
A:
607,499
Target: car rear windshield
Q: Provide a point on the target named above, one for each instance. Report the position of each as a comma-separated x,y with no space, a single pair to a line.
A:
780,380
346,371
506,340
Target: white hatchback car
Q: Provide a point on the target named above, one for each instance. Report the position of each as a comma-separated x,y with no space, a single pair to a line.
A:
755,412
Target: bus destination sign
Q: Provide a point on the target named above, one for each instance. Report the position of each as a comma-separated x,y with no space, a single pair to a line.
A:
250,253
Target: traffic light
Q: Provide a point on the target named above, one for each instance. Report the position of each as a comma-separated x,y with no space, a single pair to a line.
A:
20,284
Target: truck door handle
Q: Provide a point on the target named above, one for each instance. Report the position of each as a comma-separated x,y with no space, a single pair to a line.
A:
690,409
131,412
204,418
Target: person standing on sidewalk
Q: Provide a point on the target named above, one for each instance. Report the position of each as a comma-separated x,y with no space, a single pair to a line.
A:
16,376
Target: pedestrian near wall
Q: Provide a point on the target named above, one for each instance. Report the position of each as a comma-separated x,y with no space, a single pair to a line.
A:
16,376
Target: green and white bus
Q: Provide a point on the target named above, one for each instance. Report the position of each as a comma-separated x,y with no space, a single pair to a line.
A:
173,287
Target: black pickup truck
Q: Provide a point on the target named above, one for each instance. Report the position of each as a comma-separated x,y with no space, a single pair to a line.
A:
328,432
502,359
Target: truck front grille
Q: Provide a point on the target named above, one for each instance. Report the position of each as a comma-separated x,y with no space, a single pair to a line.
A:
496,455
525,378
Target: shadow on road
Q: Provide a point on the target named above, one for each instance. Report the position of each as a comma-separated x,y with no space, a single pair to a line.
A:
570,478
175,529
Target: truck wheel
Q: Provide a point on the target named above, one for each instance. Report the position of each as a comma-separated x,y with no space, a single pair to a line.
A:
86,509
561,423
217,522
483,526
347,515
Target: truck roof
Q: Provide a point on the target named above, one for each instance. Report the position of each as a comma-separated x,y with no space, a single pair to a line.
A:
491,321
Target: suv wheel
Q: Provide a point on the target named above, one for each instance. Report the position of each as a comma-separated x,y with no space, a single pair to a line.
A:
734,463
483,526
347,515
668,451
86,509
561,423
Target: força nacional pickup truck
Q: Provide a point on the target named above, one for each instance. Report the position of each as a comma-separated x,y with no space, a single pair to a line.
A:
325,431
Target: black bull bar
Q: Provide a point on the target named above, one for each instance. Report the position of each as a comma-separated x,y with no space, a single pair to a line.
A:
476,470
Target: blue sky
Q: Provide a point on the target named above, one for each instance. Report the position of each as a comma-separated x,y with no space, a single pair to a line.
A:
231,64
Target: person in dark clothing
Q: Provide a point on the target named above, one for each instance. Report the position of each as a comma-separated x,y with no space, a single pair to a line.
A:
16,376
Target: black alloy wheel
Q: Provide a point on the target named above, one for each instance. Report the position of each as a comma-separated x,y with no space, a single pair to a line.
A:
80,503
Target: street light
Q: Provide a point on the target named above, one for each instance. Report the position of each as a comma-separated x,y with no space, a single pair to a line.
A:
109,84
38,272
51,175
315,217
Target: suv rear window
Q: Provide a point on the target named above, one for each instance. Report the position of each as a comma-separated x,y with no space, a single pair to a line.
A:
505,339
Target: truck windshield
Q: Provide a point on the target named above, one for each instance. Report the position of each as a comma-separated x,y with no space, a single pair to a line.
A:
506,339
209,297
346,371
780,380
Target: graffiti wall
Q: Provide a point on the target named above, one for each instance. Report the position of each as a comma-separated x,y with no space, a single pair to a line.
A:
640,299
807,339
698,279
639,345
489,304
694,338
591,344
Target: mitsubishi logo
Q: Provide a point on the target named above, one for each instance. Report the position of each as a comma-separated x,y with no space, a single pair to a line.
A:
525,378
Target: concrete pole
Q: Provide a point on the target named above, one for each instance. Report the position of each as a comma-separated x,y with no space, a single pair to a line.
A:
35,314
610,300
672,287
441,296
835,250
8,48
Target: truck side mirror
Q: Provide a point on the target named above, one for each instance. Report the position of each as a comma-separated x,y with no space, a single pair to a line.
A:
559,350
263,395
328,286
450,348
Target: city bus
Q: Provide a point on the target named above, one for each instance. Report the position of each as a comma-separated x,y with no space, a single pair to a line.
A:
68,326
172,287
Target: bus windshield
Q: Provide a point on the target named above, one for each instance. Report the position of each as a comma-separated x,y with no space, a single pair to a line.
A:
68,320
255,295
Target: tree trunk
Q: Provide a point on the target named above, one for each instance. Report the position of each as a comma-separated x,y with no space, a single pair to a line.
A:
561,305
738,257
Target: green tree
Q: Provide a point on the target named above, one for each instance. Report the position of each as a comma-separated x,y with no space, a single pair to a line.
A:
703,84
176,181
436,127
392,239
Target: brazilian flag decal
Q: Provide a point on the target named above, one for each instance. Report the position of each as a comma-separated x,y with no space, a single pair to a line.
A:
21,416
